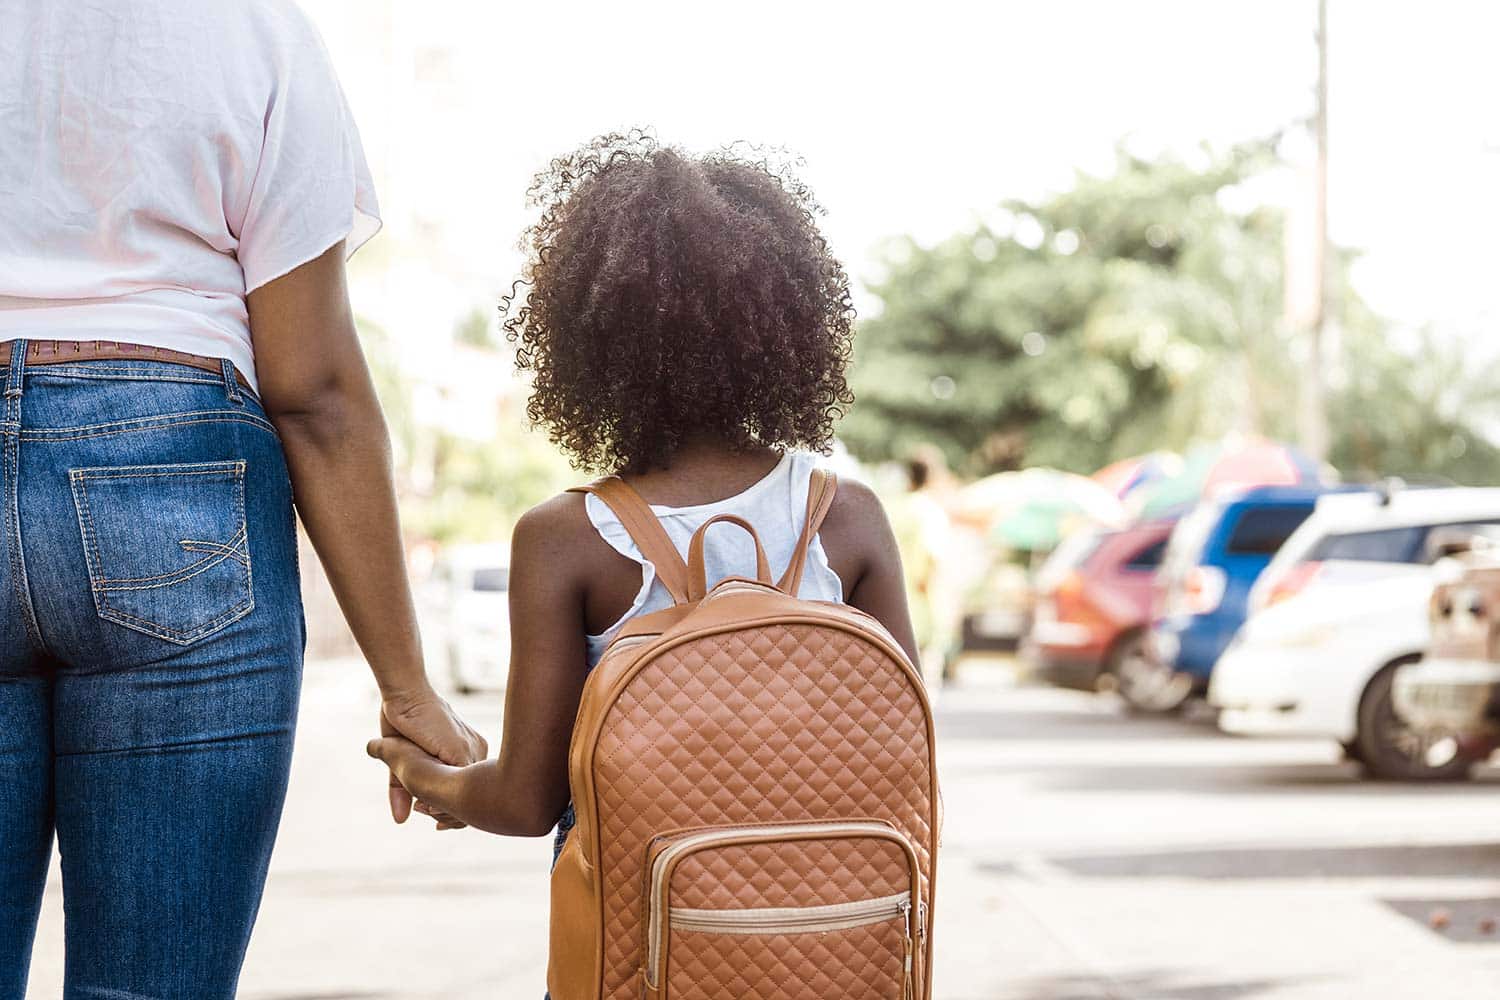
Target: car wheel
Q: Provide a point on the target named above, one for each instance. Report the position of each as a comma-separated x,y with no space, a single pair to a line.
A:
1130,645
1391,750
1146,684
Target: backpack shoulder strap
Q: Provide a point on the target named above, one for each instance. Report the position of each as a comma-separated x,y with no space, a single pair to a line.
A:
640,523
820,491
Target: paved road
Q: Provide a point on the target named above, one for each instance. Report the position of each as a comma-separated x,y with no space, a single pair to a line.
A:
1087,855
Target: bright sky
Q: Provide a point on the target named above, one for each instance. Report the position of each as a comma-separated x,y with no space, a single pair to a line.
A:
918,118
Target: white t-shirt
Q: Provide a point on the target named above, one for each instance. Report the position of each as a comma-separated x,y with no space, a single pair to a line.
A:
159,159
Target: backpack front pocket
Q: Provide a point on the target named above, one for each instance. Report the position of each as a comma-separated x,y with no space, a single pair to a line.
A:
783,912
167,546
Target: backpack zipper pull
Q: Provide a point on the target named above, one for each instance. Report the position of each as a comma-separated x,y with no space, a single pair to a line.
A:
908,986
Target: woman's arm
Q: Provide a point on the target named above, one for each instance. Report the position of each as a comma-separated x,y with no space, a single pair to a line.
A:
524,790
317,390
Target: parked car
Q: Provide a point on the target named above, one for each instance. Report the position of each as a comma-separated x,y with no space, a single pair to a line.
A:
999,610
1344,608
1213,558
1369,534
1452,696
1093,603
473,584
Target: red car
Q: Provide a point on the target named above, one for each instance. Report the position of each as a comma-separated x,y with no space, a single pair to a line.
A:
1093,603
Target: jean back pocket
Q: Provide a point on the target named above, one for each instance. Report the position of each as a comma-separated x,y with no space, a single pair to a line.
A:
167,549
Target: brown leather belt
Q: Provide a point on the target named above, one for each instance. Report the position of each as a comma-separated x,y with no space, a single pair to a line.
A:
62,352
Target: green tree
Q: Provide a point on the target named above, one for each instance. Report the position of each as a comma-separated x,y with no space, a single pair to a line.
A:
478,329
480,488
1416,412
1130,312
455,488
1142,310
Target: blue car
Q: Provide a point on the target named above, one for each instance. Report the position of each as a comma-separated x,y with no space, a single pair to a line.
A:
1202,590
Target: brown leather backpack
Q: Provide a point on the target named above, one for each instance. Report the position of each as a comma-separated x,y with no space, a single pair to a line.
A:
756,794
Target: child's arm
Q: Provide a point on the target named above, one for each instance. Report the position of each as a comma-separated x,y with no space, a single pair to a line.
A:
862,548
523,790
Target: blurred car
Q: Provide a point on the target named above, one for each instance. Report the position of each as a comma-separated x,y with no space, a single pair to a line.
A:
1371,534
1213,557
1093,602
1000,610
473,584
1343,611
1452,696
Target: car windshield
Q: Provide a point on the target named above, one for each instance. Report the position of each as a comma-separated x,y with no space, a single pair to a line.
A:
1260,531
1147,559
1408,544
492,579
1393,545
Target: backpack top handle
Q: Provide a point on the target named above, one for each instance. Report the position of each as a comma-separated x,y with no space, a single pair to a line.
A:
639,521
820,492
697,569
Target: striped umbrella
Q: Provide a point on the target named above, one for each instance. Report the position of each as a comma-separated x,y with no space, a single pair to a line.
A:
1130,474
1233,462
1033,509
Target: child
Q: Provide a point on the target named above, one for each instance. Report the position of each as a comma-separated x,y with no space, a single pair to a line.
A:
687,329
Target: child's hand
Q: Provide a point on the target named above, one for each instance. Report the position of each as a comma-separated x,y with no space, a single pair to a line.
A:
445,821
431,781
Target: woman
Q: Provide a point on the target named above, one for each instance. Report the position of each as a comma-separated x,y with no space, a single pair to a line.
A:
179,185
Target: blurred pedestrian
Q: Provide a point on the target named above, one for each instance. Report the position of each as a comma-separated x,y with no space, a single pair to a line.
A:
927,536
180,182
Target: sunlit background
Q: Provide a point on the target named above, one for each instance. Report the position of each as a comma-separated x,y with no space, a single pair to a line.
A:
1083,240
918,124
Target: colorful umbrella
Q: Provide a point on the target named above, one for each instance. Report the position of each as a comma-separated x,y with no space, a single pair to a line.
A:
1033,509
1233,462
1130,474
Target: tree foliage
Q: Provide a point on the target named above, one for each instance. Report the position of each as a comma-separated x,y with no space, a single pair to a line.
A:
1416,412
1135,311
455,487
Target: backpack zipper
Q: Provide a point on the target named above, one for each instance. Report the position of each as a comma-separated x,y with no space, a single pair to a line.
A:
662,865
792,919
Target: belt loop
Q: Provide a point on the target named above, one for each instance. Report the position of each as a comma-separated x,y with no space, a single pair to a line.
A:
14,378
231,383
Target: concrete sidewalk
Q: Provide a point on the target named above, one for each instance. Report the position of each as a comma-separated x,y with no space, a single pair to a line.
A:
1086,855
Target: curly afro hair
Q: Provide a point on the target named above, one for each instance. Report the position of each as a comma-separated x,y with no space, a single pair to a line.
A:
671,297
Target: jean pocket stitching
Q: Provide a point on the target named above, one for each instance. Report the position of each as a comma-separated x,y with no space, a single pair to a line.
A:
217,554
101,586
181,638
238,548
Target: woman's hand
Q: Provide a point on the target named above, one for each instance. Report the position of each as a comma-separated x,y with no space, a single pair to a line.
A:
429,723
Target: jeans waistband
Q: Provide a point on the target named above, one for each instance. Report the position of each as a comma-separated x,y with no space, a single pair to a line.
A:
23,354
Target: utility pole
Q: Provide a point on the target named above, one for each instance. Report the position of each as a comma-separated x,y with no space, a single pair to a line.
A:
1314,385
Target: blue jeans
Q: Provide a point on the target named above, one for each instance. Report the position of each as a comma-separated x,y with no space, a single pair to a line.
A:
151,640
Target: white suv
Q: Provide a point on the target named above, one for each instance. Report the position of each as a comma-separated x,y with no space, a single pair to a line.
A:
1342,606
471,615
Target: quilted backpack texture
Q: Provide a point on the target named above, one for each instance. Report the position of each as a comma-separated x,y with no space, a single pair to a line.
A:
756,796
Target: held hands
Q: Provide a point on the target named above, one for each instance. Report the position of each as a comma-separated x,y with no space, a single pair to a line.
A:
414,772
423,725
